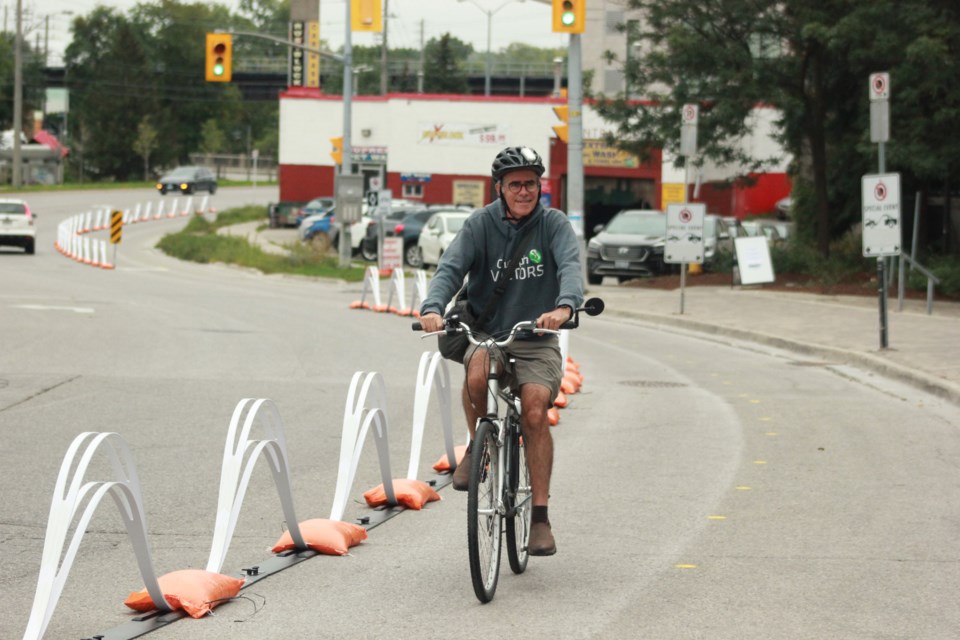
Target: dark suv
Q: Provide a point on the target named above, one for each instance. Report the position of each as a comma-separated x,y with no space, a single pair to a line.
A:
629,246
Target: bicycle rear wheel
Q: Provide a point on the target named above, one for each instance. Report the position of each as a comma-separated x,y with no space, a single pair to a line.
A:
521,504
483,514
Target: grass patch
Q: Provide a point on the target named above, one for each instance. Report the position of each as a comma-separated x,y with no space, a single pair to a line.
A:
200,242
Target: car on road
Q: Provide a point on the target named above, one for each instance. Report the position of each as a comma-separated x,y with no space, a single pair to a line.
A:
188,180
716,237
16,225
629,246
438,233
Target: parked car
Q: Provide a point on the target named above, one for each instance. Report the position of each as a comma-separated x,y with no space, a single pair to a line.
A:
188,180
629,246
765,228
316,206
409,229
314,225
716,237
16,225
368,246
283,214
438,233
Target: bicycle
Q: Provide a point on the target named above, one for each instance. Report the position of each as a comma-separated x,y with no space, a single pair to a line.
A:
499,496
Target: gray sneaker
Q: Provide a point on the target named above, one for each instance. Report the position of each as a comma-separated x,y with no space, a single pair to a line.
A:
541,541
461,475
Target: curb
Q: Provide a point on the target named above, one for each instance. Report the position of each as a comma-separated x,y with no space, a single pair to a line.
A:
917,379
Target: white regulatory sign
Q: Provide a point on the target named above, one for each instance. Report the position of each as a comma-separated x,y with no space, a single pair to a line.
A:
881,215
684,240
880,86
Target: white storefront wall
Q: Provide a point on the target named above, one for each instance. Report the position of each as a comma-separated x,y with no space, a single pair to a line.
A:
450,136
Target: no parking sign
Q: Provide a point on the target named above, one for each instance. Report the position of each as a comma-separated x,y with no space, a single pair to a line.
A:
684,241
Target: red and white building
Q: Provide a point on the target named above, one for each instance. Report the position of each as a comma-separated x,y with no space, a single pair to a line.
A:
438,149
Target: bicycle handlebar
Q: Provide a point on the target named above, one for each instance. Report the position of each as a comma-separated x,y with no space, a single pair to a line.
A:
592,307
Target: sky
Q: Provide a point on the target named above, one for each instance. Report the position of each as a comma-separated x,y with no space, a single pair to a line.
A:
527,21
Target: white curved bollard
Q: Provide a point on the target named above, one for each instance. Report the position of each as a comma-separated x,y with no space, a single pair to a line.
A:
398,288
173,208
418,291
146,211
431,374
159,210
564,345
69,493
366,404
240,455
202,209
186,207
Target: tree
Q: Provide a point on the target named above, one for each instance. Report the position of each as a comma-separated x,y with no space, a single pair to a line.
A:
810,60
443,65
145,143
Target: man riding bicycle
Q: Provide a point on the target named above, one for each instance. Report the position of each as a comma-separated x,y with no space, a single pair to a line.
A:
545,284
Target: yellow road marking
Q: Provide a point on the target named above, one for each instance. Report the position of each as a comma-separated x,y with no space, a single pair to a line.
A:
685,566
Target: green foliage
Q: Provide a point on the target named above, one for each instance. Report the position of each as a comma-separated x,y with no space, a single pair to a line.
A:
443,65
947,271
200,242
811,61
121,68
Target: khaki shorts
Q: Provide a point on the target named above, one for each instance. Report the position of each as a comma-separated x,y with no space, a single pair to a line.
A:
537,361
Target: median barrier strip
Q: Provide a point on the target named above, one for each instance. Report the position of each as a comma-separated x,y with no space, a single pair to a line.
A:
73,243
365,408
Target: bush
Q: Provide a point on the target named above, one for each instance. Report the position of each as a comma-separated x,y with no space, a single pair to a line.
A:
200,242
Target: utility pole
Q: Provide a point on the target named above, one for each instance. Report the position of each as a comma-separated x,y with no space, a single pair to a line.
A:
346,244
18,97
420,72
383,50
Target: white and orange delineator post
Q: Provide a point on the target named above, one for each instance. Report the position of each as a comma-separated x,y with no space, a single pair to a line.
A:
371,284
418,291
398,290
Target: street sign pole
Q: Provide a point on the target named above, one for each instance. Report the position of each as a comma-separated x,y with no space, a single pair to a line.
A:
575,212
879,91
689,119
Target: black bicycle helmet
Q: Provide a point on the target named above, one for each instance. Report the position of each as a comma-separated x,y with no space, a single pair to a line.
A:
513,158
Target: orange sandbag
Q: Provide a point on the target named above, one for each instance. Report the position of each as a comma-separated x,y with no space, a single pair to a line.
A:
569,385
443,464
561,400
330,537
195,591
412,494
553,416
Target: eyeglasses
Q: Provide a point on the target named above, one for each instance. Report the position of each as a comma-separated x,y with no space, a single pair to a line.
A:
529,185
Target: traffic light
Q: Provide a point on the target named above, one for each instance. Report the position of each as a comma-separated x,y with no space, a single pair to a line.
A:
219,57
562,130
569,16
337,153
366,15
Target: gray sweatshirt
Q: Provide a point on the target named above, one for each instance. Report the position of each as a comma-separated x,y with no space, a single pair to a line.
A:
548,274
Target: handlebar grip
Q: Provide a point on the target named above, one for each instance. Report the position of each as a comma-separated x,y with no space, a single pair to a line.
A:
570,324
416,326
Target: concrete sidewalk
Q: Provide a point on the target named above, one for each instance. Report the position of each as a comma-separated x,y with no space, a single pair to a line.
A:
923,350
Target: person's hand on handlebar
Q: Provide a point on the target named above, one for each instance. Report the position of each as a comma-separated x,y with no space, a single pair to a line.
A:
553,319
431,322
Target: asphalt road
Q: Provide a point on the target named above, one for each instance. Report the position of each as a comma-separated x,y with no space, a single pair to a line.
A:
701,490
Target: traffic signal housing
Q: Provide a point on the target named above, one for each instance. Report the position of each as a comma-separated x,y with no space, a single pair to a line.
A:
366,15
219,57
569,16
337,152
562,130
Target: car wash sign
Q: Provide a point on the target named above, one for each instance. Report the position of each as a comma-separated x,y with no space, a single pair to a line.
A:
881,215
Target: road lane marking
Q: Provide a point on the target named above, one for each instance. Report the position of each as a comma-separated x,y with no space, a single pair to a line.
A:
47,307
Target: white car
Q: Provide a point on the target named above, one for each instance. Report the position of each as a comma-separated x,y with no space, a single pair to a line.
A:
438,233
16,225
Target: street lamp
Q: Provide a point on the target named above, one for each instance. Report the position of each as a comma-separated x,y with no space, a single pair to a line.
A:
489,12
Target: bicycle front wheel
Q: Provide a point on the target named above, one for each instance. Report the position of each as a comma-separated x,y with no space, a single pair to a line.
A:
483,513
520,505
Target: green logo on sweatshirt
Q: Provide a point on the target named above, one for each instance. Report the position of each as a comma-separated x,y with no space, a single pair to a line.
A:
535,256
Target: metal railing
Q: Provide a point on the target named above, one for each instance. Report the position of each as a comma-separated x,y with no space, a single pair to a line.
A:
932,280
